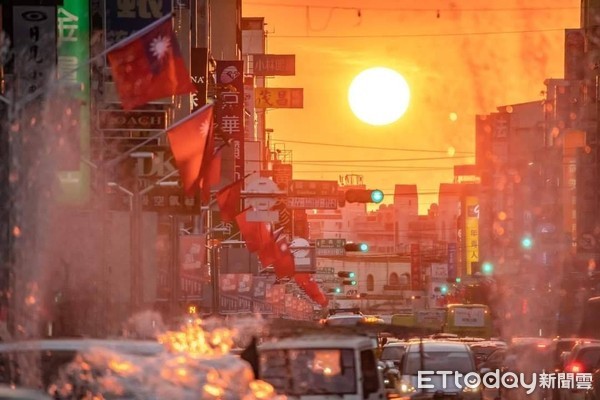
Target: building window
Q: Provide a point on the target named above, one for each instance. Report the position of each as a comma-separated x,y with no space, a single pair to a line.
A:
370,283
394,280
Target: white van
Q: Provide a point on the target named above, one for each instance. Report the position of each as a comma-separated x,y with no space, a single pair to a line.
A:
322,366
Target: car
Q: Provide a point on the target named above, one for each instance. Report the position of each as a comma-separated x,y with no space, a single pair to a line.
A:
527,356
322,365
431,357
582,359
52,354
483,349
14,393
392,353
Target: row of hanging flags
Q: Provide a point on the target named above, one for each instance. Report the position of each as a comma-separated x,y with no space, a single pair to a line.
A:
148,66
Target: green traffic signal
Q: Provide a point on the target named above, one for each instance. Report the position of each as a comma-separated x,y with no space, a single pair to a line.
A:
444,289
376,196
349,283
527,243
487,268
363,247
363,196
457,280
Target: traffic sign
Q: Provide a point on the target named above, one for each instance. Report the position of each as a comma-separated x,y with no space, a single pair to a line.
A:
307,188
322,203
330,247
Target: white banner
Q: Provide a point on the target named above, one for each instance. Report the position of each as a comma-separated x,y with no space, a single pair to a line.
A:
472,317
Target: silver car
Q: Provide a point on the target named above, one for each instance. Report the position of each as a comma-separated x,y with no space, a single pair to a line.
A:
423,363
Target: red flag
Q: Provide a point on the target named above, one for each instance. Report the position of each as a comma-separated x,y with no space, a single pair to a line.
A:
188,140
149,66
268,253
256,234
211,173
284,264
228,200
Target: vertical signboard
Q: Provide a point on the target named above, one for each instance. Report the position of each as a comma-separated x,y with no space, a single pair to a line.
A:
471,241
259,295
229,112
415,266
73,50
34,44
124,17
249,125
574,54
199,72
193,269
452,273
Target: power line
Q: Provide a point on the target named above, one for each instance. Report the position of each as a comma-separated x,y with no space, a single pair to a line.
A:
399,169
372,147
383,159
415,35
363,8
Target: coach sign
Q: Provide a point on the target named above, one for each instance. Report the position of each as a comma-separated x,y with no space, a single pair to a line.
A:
149,120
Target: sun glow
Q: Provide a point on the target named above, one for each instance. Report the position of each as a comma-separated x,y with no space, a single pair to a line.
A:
379,96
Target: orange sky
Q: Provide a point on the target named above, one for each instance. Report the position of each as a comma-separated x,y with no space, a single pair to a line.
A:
468,58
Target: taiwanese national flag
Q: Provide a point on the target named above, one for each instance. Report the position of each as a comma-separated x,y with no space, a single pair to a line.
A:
211,169
188,140
228,200
149,66
284,264
256,234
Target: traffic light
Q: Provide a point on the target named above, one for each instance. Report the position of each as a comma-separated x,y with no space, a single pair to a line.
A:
346,274
349,282
444,290
336,290
526,242
457,280
362,247
487,268
363,196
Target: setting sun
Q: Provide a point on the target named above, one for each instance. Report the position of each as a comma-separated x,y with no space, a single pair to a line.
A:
379,96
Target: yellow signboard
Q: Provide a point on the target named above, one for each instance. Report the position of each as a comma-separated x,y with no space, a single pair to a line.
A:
471,231
278,98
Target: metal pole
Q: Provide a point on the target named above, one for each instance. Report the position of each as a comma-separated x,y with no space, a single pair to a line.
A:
174,268
136,248
214,269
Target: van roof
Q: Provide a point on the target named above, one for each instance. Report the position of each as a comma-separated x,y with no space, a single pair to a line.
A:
134,347
320,341
437,345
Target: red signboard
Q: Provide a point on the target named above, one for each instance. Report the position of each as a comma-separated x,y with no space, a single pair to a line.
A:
415,267
282,175
229,113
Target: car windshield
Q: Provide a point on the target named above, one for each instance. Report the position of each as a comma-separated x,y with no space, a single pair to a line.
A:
392,353
298,372
483,352
459,361
344,321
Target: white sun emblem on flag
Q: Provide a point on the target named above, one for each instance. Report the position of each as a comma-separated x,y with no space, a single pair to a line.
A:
159,47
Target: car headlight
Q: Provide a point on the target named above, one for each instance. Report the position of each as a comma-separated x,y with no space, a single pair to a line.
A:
475,389
406,387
